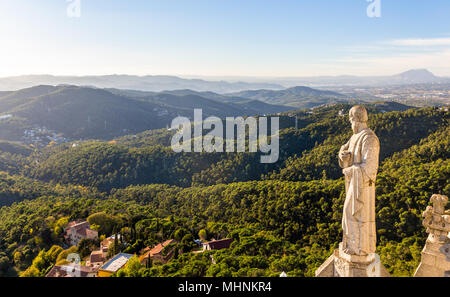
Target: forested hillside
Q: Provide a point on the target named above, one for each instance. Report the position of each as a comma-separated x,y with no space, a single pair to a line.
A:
282,217
307,153
300,97
72,113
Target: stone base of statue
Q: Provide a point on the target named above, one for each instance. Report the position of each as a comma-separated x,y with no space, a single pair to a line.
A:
341,264
435,259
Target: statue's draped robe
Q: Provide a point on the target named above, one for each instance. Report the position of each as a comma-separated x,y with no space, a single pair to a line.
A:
358,220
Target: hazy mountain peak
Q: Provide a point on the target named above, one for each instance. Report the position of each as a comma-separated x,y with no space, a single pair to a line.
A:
417,75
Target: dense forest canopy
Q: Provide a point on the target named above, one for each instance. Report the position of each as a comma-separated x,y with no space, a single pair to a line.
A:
283,217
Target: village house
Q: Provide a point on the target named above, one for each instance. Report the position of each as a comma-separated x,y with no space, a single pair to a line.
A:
106,243
76,231
72,270
114,265
157,254
98,257
217,244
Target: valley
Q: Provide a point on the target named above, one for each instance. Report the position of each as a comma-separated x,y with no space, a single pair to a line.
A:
282,216
70,153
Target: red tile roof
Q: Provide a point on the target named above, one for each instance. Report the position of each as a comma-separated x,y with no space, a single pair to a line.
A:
157,249
220,244
87,232
78,225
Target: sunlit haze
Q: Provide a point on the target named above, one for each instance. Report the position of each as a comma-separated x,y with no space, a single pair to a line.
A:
223,38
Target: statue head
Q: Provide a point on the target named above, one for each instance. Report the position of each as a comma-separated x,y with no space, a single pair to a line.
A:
358,118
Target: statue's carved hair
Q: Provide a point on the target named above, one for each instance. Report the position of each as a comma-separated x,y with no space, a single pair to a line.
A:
359,113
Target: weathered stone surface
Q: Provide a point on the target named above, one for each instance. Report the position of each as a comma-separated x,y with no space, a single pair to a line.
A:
435,260
359,158
327,268
343,265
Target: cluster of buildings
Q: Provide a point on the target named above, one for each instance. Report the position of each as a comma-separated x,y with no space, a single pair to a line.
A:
98,264
41,136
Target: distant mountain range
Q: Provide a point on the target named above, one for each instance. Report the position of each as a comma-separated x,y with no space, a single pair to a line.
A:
82,112
415,76
229,85
132,82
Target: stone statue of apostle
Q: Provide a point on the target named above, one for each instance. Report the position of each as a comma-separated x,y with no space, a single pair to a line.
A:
359,159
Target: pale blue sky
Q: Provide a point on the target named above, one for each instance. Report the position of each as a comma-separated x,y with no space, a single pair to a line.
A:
224,37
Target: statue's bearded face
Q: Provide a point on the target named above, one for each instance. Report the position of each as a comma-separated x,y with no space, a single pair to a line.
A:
355,124
358,118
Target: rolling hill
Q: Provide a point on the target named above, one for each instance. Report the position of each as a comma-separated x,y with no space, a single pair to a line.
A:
81,113
299,97
13,99
282,217
304,153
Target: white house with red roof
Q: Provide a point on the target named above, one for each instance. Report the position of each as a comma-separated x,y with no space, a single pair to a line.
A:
76,231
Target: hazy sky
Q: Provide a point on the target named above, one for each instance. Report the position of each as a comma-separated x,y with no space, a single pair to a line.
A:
224,37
